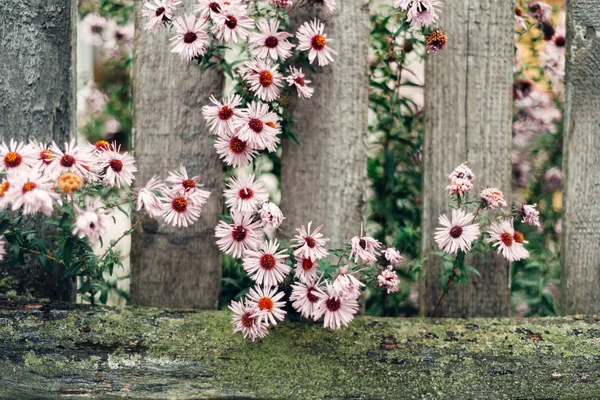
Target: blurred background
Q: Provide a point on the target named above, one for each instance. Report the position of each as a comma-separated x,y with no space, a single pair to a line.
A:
105,42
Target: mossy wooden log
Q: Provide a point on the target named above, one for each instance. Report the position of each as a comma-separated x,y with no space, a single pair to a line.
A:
49,351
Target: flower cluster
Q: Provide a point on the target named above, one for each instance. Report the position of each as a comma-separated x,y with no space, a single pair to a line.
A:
76,187
106,33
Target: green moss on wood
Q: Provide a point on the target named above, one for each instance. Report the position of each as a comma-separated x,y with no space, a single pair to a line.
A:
152,353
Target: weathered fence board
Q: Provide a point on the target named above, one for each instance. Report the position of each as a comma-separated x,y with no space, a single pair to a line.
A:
468,117
37,100
48,352
323,178
581,222
174,267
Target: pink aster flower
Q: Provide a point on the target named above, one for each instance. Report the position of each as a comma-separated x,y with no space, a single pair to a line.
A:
238,237
296,79
493,198
529,214
305,297
346,284
265,265
462,172
191,39
502,237
364,249
182,182
232,25
92,222
282,4
311,37
118,168
148,200
220,118
540,11
305,269
393,256
93,29
270,215
43,157
269,302
338,311
459,186
270,43
244,194
264,79
77,159
32,192
423,13
309,244
182,208
457,234
157,12
17,158
118,37
258,126
209,8
247,320
389,280
233,150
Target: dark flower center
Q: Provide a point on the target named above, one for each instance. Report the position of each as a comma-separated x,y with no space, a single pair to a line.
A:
116,165
160,11
12,159
238,233
267,261
190,37
256,125
311,297
179,204
310,242
333,304
518,237
265,304
231,22
456,231
237,145
300,81
225,113
67,161
188,184
560,41
247,320
318,42
362,243
215,7
507,239
265,78
307,264
271,42
28,187
245,193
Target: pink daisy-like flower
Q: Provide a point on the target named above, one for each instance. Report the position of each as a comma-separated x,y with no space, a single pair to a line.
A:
493,198
502,237
247,319
264,79
118,168
364,249
238,237
118,37
309,244
457,234
191,38
77,159
32,192
529,214
296,79
311,37
209,8
393,256
459,186
271,215
462,172
258,126
182,182
221,117
389,280
282,4
269,302
338,310
423,13
346,284
44,156
305,269
232,25
304,297
182,208
270,43
148,200
244,194
91,222
93,29
540,11
265,265
159,12
17,158
233,150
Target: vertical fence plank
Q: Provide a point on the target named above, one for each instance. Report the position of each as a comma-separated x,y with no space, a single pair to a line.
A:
323,178
174,267
581,222
37,100
468,117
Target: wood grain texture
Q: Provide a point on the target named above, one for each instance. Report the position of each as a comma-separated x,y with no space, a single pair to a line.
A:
51,352
37,101
468,118
580,277
323,178
175,267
